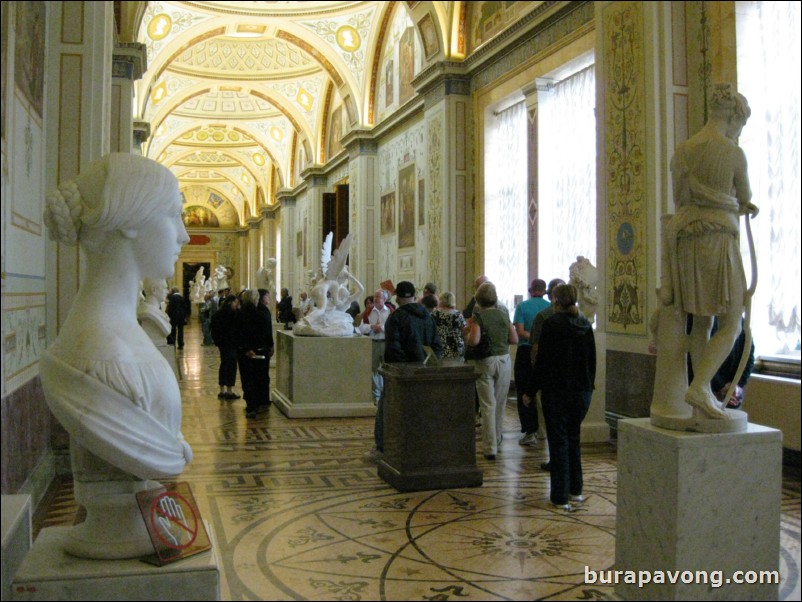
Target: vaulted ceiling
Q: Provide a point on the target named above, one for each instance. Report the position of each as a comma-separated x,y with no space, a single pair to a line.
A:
239,95
242,96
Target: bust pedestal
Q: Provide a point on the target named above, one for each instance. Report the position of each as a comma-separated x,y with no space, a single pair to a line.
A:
321,377
429,427
49,573
693,502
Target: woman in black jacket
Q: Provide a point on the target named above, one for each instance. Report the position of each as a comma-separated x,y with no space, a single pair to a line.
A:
224,335
565,371
255,350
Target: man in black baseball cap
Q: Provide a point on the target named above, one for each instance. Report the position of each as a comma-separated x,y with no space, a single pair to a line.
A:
406,331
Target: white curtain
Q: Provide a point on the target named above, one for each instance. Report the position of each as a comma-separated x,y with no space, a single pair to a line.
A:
567,174
506,203
768,75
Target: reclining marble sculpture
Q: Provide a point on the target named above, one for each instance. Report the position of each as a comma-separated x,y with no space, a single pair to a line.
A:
103,378
702,269
332,294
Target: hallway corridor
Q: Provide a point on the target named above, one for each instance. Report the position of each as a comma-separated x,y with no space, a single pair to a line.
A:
298,512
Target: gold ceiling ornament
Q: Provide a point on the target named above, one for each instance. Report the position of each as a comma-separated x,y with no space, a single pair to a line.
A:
348,38
160,27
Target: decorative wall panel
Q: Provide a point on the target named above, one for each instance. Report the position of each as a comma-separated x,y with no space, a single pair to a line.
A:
24,337
625,150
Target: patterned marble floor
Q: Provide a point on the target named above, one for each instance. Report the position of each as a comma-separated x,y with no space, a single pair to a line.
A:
298,512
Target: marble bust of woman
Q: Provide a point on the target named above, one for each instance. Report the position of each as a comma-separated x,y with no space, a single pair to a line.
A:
103,378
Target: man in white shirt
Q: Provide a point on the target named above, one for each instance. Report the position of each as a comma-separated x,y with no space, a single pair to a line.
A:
305,305
374,328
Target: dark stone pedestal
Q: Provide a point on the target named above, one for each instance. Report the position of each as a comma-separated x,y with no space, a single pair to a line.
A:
429,429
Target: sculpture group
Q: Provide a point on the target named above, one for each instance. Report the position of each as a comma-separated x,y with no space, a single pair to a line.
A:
335,288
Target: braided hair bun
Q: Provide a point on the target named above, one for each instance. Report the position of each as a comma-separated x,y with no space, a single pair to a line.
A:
62,214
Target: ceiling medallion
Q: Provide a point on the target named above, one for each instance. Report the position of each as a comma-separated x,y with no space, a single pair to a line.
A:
159,27
348,38
159,93
259,159
304,99
277,134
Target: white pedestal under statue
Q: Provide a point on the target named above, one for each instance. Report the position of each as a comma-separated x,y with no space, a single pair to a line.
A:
49,573
320,377
697,502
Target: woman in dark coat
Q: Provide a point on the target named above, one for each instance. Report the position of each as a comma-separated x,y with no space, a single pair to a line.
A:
224,335
565,371
255,350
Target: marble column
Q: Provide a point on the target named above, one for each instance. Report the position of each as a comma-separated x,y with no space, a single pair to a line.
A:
141,135
447,105
317,183
286,274
364,207
532,201
79,97
129,62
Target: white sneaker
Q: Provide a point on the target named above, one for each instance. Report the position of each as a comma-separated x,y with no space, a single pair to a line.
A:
528,439
577,498
566,507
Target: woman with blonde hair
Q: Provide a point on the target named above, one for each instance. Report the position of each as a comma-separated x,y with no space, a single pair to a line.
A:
450,324
494,371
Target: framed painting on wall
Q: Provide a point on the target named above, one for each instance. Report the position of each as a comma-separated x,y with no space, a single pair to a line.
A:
431,44
406,66
406,207
421,202
29,55
389,74
388,213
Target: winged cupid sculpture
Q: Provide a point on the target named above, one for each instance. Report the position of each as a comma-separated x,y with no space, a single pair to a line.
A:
334,291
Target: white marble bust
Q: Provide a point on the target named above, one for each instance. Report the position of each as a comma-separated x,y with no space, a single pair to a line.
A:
150,313
103,378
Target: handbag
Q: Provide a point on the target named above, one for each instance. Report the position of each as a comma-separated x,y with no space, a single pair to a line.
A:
482,349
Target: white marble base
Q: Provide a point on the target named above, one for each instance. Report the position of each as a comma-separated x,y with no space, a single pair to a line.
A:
49,573
321,377
738,421
698,502
16,534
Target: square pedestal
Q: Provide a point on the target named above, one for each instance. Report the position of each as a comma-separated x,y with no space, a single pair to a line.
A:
320,377
49,573
429,427
16,530
698,502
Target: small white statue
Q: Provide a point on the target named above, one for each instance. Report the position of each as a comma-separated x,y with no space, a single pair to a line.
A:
584,276
221,276
198,287
266,278
331,294
103,378
703,271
